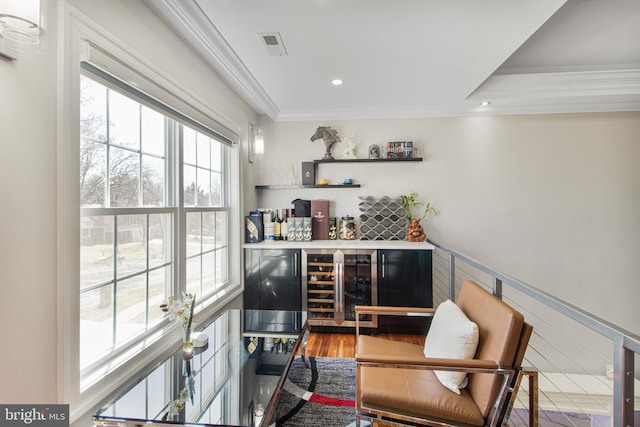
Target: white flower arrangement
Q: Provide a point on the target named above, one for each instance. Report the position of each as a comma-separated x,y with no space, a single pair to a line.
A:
181,310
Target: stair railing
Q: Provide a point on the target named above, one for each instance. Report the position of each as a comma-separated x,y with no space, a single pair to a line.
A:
449,265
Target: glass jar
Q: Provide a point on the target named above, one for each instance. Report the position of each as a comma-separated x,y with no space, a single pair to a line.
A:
348,228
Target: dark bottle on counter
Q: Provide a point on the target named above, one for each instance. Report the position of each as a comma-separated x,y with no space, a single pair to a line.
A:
333,228
284,225
277,226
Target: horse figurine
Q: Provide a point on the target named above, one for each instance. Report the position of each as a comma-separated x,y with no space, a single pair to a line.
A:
330,138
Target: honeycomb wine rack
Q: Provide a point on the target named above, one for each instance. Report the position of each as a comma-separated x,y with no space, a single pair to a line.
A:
382,219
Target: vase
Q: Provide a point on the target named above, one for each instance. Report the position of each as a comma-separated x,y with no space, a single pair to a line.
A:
416,232
187,343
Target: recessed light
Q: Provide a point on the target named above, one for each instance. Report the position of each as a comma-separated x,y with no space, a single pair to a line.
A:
485,103
336,82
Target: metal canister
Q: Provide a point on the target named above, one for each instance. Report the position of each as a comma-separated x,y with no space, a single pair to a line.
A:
348,228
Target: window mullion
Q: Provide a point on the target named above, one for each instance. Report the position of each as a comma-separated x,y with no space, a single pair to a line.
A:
107,145
140,176
148,273
114,291
181,228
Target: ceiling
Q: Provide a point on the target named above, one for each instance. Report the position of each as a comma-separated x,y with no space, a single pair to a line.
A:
418,58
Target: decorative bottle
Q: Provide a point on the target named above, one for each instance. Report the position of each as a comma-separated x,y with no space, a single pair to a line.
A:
277,226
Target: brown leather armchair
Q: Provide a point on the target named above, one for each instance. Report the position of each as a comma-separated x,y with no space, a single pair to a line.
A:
397,385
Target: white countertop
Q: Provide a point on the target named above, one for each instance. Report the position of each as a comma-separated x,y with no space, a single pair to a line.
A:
341,244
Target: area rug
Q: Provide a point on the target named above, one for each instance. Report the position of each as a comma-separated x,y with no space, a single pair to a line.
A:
318,393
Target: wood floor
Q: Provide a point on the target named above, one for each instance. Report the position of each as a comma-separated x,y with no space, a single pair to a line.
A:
323,344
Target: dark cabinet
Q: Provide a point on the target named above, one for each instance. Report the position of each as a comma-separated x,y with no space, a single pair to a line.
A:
404,279
272,282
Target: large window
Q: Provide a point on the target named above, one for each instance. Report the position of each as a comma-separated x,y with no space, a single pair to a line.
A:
154,217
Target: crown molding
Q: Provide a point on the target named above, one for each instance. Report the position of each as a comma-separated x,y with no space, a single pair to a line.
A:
188,20
507,107
517,94
559,84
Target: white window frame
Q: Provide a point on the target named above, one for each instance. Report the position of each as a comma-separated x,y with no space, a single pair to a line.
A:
77,30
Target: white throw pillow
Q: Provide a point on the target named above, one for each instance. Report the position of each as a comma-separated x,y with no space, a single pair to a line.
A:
451,336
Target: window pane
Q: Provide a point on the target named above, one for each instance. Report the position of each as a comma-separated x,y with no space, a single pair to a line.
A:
189,146
204,187
152,181
215,411
96,250
159,283
130,307
93,109
193,276
222,219
152,132
216,189
132,403
96,323
189,186
131,242
159,239
216,155
221,337
124,169
157,383
222,272
208,378
124,121
208,273
203,153
93,177
194,240
208,231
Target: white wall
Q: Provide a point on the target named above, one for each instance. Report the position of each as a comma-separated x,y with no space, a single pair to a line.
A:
28,329
551,200
28,182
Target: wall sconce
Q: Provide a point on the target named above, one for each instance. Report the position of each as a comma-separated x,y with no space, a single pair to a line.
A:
22,26
256,146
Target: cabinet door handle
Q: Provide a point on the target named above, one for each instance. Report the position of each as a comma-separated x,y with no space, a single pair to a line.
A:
383,266
295,264
339,291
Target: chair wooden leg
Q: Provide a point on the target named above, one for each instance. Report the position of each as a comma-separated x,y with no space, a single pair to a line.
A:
532,377
533,397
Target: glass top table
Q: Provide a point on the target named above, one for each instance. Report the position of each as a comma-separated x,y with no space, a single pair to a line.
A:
235,380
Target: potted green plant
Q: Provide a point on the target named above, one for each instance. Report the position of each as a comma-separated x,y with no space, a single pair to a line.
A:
416,212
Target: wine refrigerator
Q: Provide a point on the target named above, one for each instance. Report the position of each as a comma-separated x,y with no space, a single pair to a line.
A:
334,281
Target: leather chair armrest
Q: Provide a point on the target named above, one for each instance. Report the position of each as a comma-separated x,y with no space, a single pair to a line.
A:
395,311
431,363
390,311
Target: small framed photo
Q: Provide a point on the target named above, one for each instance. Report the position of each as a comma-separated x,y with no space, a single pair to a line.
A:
374,151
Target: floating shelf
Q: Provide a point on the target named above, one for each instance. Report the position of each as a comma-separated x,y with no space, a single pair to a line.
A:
293,187
315,162
395,159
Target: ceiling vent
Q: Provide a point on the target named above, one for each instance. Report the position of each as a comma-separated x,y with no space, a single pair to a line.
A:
273,43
